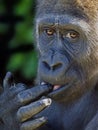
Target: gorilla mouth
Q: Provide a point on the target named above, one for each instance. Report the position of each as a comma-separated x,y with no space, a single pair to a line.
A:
55,87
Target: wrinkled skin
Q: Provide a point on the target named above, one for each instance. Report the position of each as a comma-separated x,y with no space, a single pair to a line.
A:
66,94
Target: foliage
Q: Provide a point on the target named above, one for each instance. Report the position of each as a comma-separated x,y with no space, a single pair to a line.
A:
17,29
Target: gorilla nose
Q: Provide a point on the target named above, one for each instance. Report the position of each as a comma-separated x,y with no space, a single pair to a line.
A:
52,72
52,66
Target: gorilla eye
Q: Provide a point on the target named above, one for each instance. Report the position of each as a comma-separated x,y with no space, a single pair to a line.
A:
50,32
72,35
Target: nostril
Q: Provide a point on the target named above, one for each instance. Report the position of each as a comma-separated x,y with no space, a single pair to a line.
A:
52,66
56,66
46,65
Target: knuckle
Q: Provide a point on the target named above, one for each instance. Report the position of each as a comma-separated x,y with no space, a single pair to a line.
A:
24,97
18,115
21,85
19,112
20,98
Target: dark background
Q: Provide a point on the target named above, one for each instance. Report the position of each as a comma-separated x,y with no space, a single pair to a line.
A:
17,52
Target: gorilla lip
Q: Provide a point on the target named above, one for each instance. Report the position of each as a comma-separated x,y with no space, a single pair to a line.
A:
55,87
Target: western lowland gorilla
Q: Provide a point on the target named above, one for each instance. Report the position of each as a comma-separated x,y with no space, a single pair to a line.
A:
66,93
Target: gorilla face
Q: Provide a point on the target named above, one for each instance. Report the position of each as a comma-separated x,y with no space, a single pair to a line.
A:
67,59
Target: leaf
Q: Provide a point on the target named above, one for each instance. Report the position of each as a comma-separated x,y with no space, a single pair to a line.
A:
15,62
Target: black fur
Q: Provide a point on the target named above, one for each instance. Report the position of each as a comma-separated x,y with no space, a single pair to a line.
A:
67,44
76,106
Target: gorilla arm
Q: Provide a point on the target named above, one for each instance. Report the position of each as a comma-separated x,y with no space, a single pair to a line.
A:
13,111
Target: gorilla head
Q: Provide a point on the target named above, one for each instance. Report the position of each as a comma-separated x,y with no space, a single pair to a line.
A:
67,42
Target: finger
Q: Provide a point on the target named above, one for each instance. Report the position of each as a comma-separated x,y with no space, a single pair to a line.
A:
28,111
32,125
8,80
14,90
17,88
10,94
31,94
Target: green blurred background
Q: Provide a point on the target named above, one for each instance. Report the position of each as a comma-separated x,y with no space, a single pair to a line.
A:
17,52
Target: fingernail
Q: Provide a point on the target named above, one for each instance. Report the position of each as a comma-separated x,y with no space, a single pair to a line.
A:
43,119
47,101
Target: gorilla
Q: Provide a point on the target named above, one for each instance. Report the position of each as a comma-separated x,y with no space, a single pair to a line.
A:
66,93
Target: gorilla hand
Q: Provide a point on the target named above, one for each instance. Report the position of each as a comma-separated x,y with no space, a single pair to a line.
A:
13,113
7,102
29,111
25,113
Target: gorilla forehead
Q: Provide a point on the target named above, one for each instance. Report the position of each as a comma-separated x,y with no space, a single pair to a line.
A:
64,20
77,8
